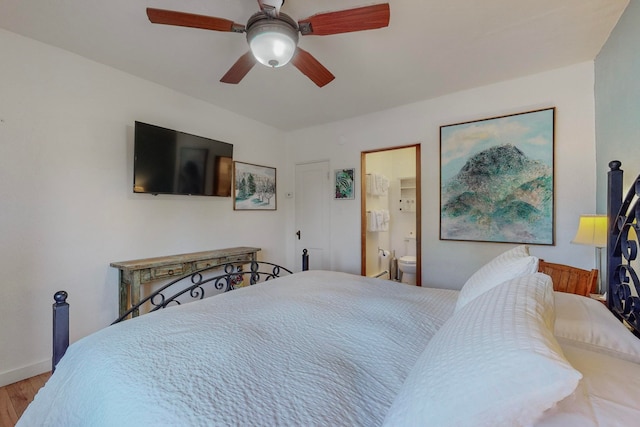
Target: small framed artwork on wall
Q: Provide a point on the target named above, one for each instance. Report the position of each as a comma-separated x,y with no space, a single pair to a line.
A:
344,180
497,179
254,187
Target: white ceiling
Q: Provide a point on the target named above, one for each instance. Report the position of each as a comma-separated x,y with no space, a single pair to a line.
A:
431,48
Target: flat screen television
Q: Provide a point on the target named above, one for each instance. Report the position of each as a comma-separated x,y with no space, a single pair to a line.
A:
167,161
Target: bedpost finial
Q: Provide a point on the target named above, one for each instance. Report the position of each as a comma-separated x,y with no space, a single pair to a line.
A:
305,260
614,165
60,297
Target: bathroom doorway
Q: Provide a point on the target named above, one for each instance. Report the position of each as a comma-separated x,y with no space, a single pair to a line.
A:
391,214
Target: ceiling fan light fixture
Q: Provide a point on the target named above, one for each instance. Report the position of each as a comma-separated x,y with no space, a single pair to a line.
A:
273,36
272,41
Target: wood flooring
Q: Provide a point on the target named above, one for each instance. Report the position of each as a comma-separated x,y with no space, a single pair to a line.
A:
14,398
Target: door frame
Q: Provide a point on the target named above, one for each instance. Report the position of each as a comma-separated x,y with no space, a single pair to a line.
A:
363,208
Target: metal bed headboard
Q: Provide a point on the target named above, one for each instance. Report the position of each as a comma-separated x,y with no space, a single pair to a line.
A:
623,285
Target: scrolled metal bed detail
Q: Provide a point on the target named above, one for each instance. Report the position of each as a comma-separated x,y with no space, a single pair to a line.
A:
196,288
623,289
233,277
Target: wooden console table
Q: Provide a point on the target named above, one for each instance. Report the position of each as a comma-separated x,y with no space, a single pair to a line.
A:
137,272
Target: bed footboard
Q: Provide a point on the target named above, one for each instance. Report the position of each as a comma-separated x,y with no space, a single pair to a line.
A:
204,283
195,285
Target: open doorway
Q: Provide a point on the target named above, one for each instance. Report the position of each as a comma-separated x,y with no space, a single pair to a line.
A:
391,214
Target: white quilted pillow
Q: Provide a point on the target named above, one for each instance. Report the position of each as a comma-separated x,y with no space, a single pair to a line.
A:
493,363
513,263
587,323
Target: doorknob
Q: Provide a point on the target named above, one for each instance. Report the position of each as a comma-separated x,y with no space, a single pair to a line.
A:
298,234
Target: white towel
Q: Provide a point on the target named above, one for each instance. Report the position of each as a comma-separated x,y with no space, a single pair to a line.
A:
382,185
378,220
377,184
372,224
384,225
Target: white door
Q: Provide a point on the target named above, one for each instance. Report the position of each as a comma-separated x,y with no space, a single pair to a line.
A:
312,199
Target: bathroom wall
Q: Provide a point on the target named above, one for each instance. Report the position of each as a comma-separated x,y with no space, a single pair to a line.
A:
403,220
378,163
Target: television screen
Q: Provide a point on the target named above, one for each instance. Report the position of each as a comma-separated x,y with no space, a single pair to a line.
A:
171,162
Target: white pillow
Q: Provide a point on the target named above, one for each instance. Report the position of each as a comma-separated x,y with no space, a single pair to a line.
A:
513,263
587,323
494,363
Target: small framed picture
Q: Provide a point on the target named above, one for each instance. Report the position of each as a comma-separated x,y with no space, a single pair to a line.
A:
254,187
345,184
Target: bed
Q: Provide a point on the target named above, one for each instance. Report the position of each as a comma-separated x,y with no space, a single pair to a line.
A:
320,348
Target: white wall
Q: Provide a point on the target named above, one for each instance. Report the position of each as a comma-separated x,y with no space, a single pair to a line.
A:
617,94
67,207
446,263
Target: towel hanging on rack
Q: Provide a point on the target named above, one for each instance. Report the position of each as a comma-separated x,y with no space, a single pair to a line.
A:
377,184
378,220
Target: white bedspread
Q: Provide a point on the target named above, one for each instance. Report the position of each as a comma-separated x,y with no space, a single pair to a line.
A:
311,349
606,397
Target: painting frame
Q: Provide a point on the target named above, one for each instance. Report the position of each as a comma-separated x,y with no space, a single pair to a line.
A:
497,179
254,187
344,181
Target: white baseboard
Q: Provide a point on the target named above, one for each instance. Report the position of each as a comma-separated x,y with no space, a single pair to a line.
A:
25,372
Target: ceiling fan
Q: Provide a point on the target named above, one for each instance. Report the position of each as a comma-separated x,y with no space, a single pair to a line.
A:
273,35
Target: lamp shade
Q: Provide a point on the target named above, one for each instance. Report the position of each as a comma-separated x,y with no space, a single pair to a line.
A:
592,231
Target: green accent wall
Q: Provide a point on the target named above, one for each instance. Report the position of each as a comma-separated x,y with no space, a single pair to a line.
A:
617,101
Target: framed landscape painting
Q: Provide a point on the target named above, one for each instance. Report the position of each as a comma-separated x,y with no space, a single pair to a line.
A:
254,187
497,179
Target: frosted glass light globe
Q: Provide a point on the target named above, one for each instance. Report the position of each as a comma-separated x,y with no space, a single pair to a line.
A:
272,41
273,49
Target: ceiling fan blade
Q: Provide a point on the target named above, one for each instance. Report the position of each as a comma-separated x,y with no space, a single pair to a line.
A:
310,67
182,19
243,65
345,21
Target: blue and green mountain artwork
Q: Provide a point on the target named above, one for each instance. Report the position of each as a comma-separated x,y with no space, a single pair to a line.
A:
499,195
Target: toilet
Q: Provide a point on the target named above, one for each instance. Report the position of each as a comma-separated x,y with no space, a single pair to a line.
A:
407,263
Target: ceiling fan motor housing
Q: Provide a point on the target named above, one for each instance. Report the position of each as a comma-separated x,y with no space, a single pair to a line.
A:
272,40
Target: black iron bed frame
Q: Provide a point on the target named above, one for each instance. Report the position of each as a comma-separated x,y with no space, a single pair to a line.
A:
623,285
190,286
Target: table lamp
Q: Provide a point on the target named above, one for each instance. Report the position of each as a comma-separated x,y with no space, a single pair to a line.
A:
592,231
